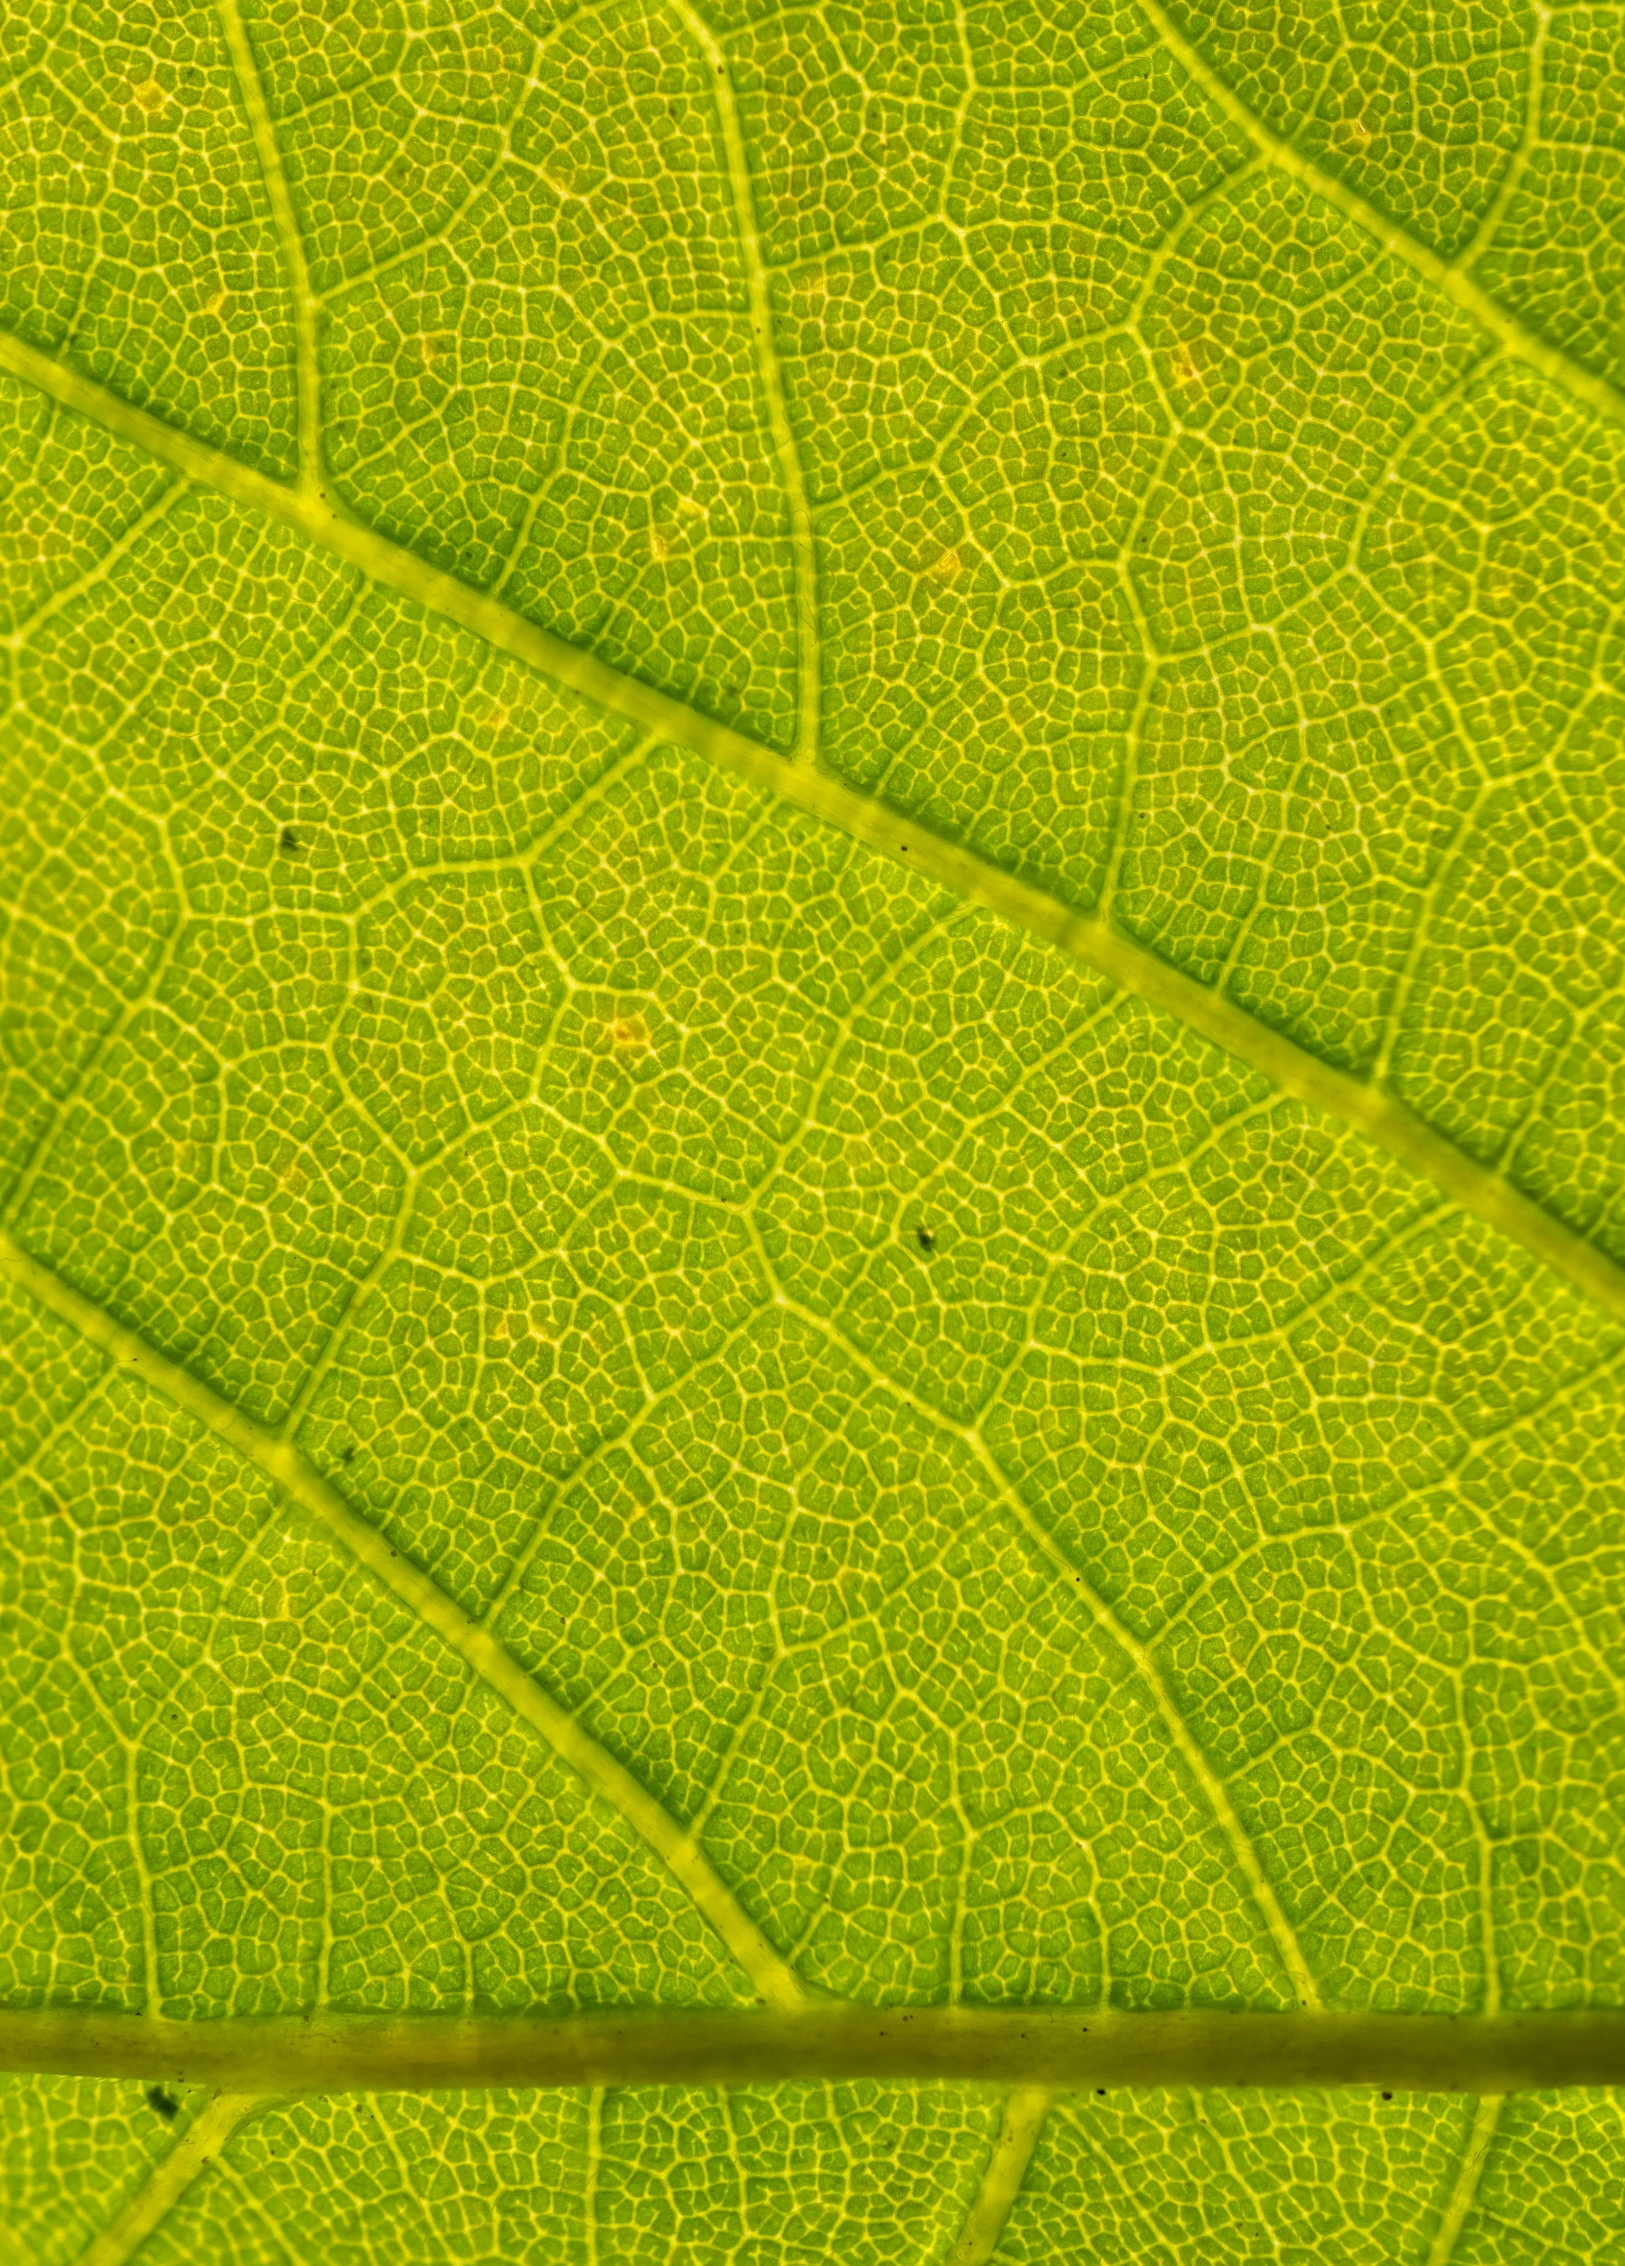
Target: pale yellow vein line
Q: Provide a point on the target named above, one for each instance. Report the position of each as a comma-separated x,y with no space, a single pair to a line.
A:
1181,1736
810,658
1024,2114
143,1873
200,2144
249,2208
1184,1739
1379,1115
1446,276
594,2166
489,1660
307,373
94,575
1512,180
1465,2191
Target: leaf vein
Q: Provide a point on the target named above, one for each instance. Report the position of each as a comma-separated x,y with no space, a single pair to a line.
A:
1381,1116
809,668
1117,1633
307,374
169,2180
1480,2137
1024,2112
1446,276
489,1660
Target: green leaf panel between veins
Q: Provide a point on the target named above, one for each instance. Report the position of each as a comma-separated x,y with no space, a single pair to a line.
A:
810,1161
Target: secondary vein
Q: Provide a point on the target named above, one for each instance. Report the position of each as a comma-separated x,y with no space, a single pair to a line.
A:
307,375
1184,1740
491,1661
169,2179
1464,2188
809,658
1385,1120
1024,2114
1446,276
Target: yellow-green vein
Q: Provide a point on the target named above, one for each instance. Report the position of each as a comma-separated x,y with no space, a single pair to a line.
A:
307,375
1024,2112
1380,1116
1045,2049
1464,2189
809,664
282,1464
169,2180
1446,276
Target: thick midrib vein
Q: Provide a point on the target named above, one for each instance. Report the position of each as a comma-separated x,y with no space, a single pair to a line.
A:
1382,1118
1051,2048
1446,277
489,1660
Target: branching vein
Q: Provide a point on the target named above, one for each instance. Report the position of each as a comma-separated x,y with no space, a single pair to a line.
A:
809,663
297,268
197,2147
1368,1109
1024,2114
492,1662
1480,2135
1446,276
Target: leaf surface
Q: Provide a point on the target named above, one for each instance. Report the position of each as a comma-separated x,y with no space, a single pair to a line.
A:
812,1132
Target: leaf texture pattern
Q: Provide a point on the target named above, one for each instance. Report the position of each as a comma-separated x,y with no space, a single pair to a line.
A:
810,1171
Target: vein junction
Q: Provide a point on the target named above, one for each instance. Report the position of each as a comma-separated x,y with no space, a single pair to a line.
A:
793,2038
1448,277
490,1660
1478,1189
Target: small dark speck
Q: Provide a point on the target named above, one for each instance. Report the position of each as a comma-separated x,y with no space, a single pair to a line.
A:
349,1454
1100,2092
159,2097
928,1238
1388,2096
291,843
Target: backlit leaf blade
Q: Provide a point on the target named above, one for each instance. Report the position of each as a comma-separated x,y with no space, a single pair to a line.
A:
642,1374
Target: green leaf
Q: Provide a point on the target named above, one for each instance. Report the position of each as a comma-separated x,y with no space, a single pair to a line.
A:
812,1274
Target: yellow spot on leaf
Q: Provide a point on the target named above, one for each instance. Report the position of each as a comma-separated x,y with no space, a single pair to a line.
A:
148,97
947,567
629,1036
666,540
